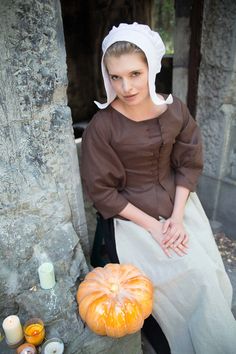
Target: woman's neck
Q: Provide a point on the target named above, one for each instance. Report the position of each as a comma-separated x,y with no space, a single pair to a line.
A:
144,111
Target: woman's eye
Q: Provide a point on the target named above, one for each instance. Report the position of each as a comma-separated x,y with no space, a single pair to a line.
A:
114,77
136,73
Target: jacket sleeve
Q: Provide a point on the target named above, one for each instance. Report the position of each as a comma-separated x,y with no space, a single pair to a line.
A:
102,172
186,157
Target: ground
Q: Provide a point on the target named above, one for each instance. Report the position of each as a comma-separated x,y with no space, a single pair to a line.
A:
227,249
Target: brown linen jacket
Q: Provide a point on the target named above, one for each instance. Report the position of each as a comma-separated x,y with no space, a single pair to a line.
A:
140,162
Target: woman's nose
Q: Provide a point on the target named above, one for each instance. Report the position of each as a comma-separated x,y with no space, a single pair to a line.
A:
126,85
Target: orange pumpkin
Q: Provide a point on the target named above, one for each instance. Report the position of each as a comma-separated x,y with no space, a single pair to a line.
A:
115,300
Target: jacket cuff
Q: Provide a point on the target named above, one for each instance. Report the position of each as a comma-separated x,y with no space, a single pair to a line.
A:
181,180
111,205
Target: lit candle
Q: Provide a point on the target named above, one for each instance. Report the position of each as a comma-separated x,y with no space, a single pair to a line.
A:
26,348
34,331
13,330
46,275
53,346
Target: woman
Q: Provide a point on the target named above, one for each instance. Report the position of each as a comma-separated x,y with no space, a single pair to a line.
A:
141,158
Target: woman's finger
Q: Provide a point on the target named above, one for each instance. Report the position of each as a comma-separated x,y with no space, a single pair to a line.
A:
177,251
170,233
186,239
183,248
167,252
165,226
171,240
179,240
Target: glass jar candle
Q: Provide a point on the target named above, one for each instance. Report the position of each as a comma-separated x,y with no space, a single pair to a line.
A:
53,346
34,331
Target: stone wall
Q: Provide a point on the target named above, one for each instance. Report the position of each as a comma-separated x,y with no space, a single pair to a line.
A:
41,207
216,112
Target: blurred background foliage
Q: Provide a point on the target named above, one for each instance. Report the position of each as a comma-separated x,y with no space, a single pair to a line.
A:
163,22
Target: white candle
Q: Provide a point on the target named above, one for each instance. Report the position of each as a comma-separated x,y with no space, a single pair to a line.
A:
54,348
46,275
28,350
13,330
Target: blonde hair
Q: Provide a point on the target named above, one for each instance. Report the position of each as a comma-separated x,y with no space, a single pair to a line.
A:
122,47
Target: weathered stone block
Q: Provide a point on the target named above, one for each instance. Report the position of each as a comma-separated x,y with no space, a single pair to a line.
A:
226,208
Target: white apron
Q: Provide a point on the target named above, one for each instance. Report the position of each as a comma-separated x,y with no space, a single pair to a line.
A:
193,294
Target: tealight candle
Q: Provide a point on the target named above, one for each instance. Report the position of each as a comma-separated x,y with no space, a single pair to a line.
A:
13,330
26,348
53,346
46,275
34,331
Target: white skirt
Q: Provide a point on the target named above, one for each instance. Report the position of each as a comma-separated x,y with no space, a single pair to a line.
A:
193,294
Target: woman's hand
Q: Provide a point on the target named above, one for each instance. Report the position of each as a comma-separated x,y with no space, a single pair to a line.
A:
175,236
153,226
166,241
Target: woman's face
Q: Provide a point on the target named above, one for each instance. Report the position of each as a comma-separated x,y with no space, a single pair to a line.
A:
129,78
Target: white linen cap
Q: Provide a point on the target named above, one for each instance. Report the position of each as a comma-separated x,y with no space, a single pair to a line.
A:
150,43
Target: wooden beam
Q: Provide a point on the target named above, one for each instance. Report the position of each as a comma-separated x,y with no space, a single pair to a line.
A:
196,17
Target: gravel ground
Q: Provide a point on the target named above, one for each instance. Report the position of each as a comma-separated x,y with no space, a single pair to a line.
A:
227,248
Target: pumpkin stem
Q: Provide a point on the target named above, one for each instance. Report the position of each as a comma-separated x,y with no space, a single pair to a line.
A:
114,288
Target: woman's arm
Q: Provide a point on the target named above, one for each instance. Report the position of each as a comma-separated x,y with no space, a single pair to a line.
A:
173,228
187,163
152,225
181,196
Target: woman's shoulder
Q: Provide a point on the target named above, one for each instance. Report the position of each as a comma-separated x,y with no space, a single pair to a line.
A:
178,108
177,115
100,123
101,116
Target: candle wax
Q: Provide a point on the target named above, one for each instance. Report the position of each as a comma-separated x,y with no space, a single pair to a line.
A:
54,348
35,333
28,350
13,330
46,275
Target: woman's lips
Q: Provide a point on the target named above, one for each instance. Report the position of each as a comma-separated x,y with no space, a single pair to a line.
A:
129,97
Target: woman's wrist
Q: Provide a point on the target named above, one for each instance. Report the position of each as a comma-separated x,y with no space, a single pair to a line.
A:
178,217
181,196
139,217
153,225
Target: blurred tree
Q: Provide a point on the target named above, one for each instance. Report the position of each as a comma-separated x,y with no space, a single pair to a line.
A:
163,22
